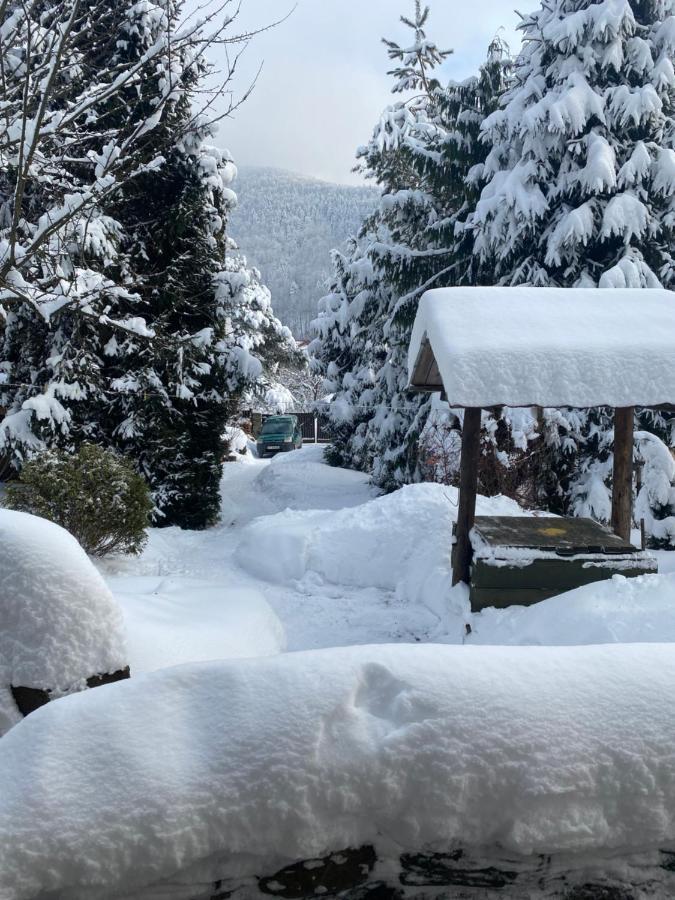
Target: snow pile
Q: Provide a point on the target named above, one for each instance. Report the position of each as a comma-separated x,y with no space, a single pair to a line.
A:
399,542
302,480
305,753
549,346
237,443
179,620
620,610
59,624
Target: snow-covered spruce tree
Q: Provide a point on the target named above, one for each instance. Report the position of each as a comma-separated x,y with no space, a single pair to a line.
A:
168,403
581,179
255,343
145,251
62,156
56,165
354,348
350,350
426,154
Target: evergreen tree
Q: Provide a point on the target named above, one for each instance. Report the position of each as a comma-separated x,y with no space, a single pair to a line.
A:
426,154
119,333
255,344
580,189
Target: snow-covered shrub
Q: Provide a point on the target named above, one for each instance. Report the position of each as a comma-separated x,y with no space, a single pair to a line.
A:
94,494
655,501
60,628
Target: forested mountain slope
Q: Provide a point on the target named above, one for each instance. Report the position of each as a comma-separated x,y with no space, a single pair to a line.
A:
286,225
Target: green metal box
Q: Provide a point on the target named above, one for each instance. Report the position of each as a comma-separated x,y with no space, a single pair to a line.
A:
520,560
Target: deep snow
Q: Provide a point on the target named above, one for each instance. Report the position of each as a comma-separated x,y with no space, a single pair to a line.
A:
312,551
315,611
60,624
234,767
522,346
259,761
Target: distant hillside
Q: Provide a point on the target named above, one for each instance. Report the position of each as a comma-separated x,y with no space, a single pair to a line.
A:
286,225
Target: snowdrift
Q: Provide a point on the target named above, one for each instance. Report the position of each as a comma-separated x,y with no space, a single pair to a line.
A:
302,480
399,542
59,623
259,761
621,610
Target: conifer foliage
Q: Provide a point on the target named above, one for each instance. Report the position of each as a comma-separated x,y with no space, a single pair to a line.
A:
580,190
426,155
556,169
582,168
113,214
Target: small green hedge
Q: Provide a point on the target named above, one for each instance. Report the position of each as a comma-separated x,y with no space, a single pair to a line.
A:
94,494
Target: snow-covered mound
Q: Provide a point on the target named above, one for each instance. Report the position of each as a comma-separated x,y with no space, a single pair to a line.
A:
302,480
304,753
59,623
399,542
179,620
238,443
621,610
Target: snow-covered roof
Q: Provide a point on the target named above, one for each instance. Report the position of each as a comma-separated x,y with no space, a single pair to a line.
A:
545,346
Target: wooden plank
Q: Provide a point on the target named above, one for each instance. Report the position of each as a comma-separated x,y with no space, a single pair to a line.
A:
564,535
426,377
622,490
468,485
486,598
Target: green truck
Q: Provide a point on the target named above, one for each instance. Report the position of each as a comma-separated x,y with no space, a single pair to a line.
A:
279,434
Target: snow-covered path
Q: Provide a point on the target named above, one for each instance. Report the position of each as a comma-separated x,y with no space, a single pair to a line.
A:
188,569
309,557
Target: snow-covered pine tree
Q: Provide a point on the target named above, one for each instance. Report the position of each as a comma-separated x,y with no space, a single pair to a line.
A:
350,350
581,181
56,167
354,349
426,155
255,344
147,253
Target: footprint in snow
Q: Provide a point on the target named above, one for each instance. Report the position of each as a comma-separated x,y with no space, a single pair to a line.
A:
380,706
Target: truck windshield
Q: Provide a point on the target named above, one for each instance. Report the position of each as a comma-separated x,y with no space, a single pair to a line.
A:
277,426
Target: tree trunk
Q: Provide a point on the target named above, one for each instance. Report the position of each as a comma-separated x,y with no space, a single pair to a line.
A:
468,484
622,492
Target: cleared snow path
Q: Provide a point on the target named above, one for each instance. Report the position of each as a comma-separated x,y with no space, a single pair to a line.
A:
315,612
314,552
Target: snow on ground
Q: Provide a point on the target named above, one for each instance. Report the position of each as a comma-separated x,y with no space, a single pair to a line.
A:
315,610
399,543
315,548
263,761
204,767
60,624
622,610
179,620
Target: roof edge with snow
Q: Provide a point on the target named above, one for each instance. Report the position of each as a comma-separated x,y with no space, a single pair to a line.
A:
550,347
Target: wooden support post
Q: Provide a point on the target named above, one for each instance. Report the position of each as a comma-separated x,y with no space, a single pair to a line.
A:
622,491
468,486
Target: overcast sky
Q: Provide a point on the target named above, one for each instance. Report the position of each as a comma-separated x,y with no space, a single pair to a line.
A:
323,80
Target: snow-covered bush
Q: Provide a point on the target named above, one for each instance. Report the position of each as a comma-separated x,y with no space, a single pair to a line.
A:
60,628
655,500
94,494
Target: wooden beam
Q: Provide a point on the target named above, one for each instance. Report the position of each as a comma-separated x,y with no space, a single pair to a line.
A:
622,489
468,486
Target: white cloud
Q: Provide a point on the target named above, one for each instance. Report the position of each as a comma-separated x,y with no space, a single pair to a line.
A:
324,78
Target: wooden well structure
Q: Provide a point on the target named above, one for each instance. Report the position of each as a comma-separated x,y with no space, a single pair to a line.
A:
486,348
